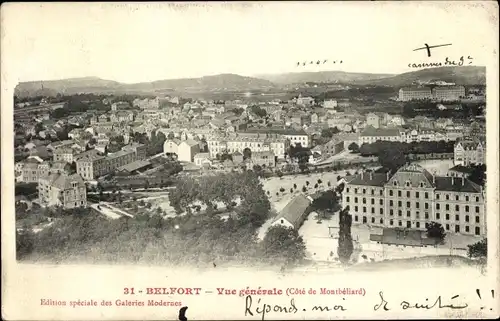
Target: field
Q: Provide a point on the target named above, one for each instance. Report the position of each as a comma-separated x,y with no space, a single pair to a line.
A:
441,166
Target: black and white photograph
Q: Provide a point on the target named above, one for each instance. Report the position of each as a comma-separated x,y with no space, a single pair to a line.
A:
294,139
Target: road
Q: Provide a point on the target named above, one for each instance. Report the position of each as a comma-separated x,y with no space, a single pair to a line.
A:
110,210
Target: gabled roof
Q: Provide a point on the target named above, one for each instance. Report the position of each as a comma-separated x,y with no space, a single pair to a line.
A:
368,179
295,209
456,184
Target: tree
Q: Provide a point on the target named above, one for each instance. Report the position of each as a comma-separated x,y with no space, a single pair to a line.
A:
279,173
295,186
436,231
478,249
307,183
316,185
304,189
247,153
353,147
291,190
392,159
282,190
283,244
346,246
320,181
478,174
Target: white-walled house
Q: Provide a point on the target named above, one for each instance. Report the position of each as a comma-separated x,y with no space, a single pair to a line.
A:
187,149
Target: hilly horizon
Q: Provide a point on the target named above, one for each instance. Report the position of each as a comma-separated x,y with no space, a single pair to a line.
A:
468,75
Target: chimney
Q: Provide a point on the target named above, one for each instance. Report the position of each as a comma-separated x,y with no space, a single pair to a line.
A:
463,181
361,175
452,180
371,175
387,175
433,179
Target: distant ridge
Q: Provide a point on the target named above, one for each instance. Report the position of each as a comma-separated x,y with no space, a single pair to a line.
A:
468,75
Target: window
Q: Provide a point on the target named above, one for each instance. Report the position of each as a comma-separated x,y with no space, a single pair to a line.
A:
408,204
447,227
457,228
408,194
422,184
355,218
417,224
467,218
477,198
417,194
426,215
391,192
347,199
417,204
426,194
381,192
457,208
364,191
355,191
457,218
381,211
395,183
447,217
381,221
373,191
477,230
400,203
437,206
408,224
373,220
364,219
408,213
400,223
457,198
373,201
447,197
477,219
400,213
418,214
381,202
391,222
399,193
391,212
447,207
438,216
364,200
466,198
407,184
355,208
467,208
282,221
355,200
477,209
437,196
373,210
467,228
364,209
347,190
391,203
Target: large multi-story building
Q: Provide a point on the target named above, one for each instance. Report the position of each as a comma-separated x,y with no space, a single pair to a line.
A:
230,144
371,135
64,154
414,93
64,190
413,197
469,152
373,120
92,165
295,136
448,93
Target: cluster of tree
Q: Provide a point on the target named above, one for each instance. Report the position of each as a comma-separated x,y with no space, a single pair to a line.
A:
429,108
301,154
478,250
326,204
329,132
365,92
436,231
374,149
225,188
478,174
183,240
258,111
26,189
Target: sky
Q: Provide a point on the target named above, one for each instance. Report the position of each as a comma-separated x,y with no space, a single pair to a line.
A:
145,42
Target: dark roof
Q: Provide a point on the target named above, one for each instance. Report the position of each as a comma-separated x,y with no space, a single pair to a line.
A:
134,165
398,236
295,209
455,184
372,131
414,174
369,179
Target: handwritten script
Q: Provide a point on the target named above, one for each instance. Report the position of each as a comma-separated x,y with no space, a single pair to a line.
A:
447,62
429,304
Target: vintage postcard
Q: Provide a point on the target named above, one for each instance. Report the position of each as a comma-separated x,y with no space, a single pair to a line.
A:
250,160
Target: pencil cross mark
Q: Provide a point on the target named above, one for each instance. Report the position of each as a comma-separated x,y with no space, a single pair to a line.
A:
430,47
